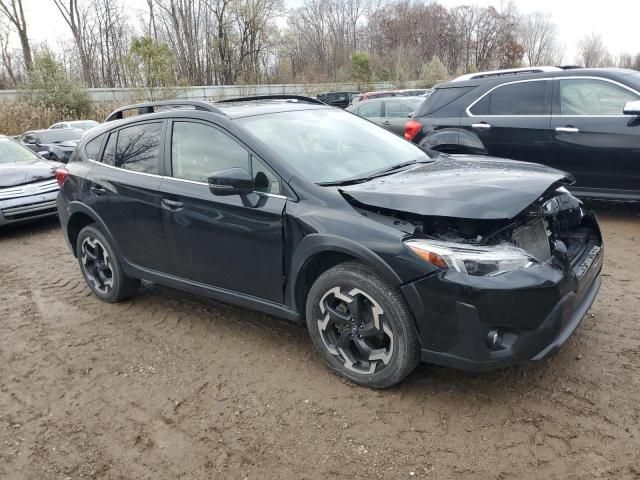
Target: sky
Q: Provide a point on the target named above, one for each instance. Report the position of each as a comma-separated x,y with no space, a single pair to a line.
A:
616,20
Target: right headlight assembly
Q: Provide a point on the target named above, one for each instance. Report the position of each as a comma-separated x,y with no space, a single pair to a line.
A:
489,260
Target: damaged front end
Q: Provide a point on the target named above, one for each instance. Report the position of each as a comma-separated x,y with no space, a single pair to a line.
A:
555,229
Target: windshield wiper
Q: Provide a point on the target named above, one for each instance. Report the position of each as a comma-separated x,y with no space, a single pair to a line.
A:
376,174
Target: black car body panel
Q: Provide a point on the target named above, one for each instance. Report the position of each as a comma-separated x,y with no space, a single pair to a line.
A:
461,187
263,250
560,127
59,144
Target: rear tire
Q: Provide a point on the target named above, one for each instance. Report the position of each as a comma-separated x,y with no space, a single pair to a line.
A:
101,267
361,326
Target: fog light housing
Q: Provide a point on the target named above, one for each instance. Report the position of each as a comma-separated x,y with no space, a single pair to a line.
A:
494,338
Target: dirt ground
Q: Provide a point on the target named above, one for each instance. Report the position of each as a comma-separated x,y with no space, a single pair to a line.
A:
172,386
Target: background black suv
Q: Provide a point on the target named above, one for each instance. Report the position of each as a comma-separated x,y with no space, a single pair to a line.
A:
583,121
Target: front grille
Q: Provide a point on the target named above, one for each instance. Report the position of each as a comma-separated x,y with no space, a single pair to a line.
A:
35,188
32,210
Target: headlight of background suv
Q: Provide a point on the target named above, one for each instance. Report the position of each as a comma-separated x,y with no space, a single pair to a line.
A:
472,259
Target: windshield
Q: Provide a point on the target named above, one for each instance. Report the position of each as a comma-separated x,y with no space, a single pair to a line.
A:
331,145
13,152
62,135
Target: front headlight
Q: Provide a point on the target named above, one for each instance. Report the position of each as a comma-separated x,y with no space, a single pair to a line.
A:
472,259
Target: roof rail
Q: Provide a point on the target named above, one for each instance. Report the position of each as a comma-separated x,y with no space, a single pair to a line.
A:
151,107
299,98
500,73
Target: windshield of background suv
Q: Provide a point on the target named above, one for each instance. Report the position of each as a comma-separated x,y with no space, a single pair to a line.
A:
13,152
60,135
330,145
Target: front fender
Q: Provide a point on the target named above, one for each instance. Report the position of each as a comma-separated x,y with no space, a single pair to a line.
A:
318,243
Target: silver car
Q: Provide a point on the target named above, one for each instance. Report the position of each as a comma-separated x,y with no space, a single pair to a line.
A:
28,187
391,113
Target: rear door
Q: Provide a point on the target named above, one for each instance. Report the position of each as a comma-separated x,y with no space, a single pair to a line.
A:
124,192
372,111
396,115
512,120
592,138
228,242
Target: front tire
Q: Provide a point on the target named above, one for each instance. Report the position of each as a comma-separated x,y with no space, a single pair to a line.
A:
101,267
361,326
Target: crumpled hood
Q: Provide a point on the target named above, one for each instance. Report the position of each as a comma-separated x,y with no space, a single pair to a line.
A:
461,186
12,174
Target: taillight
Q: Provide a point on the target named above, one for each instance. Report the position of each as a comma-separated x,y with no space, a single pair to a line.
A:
61,175
411,128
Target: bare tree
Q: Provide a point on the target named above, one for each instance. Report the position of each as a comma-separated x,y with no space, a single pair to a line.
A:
76,19
14,12
592,51
538,36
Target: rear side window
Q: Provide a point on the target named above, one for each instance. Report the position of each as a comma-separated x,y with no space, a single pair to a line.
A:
198,150
442,97
92,148
138,148
397,109
524,98
593,97
370,110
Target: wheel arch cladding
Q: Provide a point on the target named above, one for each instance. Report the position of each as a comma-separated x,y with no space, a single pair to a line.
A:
77,222
318,253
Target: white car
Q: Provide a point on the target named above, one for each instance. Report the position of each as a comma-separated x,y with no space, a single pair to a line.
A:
79,124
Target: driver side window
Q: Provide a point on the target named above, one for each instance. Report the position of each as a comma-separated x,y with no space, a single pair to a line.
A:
198,150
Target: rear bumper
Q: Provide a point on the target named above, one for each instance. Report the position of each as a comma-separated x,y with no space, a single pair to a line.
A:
535,310
29,208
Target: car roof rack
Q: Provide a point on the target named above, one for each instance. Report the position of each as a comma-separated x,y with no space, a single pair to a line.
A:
297,98
511,71
151,107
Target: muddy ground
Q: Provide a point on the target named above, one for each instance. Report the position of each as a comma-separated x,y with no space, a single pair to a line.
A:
172,386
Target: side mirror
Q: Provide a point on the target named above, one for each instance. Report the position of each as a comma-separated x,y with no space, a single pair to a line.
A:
232,181
632,108
45,154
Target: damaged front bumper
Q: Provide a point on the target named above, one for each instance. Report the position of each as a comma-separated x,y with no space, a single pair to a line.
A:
529,313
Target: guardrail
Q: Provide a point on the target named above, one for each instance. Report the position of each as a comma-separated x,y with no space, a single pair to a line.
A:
219,92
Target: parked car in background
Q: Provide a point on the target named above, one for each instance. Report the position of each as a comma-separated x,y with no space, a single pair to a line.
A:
583,121
57,144
417,92
285,205
79,124
390,112
28,187
361,97
337,99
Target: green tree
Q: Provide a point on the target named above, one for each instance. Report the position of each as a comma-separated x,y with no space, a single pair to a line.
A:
150,64
433,72
360,68
49,85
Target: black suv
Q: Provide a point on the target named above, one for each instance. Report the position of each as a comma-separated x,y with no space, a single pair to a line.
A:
583,121
285,205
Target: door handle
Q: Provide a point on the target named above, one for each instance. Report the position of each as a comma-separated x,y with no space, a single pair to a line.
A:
567,129
98,190
172,205
481,126
386,122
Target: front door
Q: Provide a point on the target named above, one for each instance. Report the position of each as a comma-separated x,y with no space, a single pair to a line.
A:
228,242
512,121
396,115
592,138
